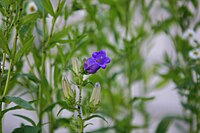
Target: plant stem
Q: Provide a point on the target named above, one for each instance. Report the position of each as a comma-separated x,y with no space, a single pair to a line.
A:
79,111
11,64
1,116
3,63
42,73
8,76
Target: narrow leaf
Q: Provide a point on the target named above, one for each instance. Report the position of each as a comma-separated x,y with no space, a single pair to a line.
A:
14,108
29,18
26,129
4,43
22,103
142,99
48,7
163,125
26,118
26,46
95,116
10,109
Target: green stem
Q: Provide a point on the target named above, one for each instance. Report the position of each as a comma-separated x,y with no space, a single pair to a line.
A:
8,77
3,63
11,64
1,116
42,73
2,70
79,111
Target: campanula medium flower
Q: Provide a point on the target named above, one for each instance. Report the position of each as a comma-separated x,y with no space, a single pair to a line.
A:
96,61
95,97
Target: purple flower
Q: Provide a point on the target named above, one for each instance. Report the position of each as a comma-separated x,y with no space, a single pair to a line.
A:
96,61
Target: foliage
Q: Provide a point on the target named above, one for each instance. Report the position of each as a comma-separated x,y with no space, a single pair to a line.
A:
39,39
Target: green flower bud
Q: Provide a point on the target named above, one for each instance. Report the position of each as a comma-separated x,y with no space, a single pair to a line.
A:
75,66
95,97
67,88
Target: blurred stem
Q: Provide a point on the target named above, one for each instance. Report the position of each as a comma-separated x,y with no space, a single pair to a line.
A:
8,76
3,64
50,115
1,116
42,72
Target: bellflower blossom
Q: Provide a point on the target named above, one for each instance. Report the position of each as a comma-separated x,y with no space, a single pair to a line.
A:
96,61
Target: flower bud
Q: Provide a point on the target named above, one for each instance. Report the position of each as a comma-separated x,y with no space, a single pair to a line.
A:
95,97
75,66
67,88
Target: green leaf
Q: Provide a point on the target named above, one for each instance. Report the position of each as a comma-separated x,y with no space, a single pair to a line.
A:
26,129
24,49
109,2
161,83
95,116
22,103
9,109
26,118
58,37
14,108
49,108
59,11
142,99
29,18
163,125
62,122
102,130
4,43
28,75
48,7
60,111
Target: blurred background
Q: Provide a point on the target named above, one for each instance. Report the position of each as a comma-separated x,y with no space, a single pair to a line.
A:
140,37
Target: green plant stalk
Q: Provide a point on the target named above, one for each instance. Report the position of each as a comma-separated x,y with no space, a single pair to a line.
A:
11,64
1,117
2,70
3,63
42,74
50,115
8,77
79,111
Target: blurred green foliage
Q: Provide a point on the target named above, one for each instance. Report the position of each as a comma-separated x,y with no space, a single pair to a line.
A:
39,47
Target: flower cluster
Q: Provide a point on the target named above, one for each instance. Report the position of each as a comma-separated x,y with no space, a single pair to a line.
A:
96,61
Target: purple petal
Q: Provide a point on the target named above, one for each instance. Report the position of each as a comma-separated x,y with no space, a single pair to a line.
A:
103,66
102,52
91,66
94,55
107,60
88,63
96,61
